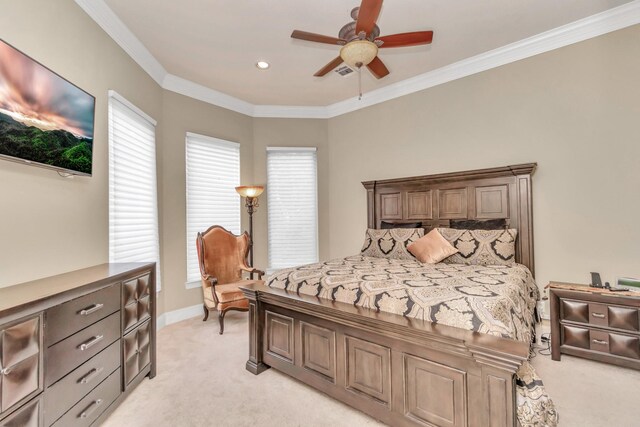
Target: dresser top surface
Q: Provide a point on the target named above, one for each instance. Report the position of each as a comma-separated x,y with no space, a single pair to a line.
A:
23,294
591,290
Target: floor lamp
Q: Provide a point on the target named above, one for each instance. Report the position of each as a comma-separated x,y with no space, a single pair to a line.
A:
251,194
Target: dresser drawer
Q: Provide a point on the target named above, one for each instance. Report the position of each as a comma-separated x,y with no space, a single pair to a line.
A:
66,392
20,362
72,316
68,354
136,348
136,301
86,411
27,416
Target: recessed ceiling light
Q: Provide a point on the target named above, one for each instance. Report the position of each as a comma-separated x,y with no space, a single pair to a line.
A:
263,65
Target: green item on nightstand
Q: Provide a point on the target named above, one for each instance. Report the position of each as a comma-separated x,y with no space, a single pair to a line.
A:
629,282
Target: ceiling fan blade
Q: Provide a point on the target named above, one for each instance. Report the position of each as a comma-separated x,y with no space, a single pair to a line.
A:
378,68
368,15
318,38
330,66
407,39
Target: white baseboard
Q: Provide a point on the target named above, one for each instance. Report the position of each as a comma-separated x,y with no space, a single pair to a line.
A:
179,315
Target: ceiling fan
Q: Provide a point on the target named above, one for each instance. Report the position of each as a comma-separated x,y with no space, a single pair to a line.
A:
360,40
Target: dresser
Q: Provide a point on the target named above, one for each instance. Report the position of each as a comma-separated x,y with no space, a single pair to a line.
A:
73,346
595,323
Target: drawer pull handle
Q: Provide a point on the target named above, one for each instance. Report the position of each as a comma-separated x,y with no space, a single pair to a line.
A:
92,407
90,343
89,310
601,342
91,375
598,315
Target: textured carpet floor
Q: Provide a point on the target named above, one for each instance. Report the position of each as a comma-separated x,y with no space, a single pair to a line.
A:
202,381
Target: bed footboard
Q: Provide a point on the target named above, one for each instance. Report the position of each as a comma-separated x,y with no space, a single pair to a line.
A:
403,372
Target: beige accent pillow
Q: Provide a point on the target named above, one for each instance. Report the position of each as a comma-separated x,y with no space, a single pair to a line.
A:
432,248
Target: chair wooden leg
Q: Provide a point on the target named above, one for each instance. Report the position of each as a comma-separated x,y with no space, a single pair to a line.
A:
221,319
206,313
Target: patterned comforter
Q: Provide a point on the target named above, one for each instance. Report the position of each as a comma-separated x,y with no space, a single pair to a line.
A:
497,300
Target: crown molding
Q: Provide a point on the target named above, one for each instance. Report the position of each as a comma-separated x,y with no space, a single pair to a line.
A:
205,94
584,29
290,111
102,14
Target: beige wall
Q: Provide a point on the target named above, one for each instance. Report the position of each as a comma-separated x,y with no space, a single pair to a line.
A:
181,115
49,224
290,133
575,111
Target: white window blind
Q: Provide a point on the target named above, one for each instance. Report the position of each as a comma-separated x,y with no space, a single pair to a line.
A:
213,172
293,206
133,203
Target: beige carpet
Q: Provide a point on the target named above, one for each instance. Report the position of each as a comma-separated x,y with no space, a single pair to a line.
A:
202,381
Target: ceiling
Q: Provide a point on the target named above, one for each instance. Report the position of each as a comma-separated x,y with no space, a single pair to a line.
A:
216,43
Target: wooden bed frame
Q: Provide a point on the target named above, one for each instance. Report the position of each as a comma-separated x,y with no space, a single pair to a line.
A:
403,371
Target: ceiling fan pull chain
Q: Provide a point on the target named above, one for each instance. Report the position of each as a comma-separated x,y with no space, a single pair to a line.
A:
359,83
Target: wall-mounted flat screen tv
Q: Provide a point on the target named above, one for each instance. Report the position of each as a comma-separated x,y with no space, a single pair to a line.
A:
44,119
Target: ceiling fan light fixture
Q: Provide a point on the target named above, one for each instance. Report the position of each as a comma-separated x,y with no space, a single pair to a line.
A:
358,53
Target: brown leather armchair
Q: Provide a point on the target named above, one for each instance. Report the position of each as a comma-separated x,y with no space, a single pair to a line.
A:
223,258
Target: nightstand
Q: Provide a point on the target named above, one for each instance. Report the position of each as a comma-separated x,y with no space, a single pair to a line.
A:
595,324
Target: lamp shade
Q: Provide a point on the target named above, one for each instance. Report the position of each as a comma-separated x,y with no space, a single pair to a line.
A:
358,53
250,190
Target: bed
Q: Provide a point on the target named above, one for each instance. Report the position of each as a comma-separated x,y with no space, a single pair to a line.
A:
407,343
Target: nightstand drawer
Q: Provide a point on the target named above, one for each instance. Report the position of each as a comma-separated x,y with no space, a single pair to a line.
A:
598,314
574,311
616,344
575,336
624,345
624,318
601,341
603,315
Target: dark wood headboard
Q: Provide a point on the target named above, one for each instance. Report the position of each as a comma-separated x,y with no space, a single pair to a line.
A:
503,192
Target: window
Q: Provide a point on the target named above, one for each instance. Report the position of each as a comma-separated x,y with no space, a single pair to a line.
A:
293,206
133,205
213,172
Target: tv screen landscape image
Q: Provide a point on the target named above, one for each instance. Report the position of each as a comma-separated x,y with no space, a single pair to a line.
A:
44,119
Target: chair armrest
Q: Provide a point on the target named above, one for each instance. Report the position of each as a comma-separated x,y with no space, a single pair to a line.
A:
252,271
211,279
214,282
